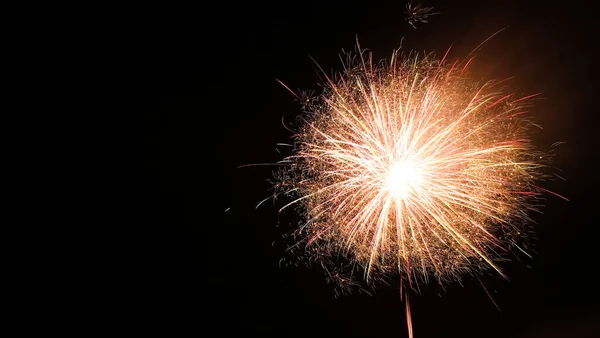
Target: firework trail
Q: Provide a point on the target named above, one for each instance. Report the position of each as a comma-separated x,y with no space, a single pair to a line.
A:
410,167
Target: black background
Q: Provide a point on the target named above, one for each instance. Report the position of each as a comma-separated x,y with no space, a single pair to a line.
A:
210,103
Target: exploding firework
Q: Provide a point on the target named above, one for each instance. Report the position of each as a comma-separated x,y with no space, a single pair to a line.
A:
410,167
415,12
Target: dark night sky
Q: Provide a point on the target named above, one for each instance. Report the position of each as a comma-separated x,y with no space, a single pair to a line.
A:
211,103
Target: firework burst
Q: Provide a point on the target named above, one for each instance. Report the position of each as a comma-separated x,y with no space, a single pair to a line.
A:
410,167
415,12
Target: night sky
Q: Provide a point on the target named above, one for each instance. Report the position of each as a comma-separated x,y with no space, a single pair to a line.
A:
210,103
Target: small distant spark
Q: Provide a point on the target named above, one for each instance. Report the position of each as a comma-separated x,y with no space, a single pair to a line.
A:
415,13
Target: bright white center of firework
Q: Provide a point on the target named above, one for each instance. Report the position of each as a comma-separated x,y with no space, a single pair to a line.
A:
402,178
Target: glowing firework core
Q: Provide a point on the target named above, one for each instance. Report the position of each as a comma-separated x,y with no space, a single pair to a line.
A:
402,178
